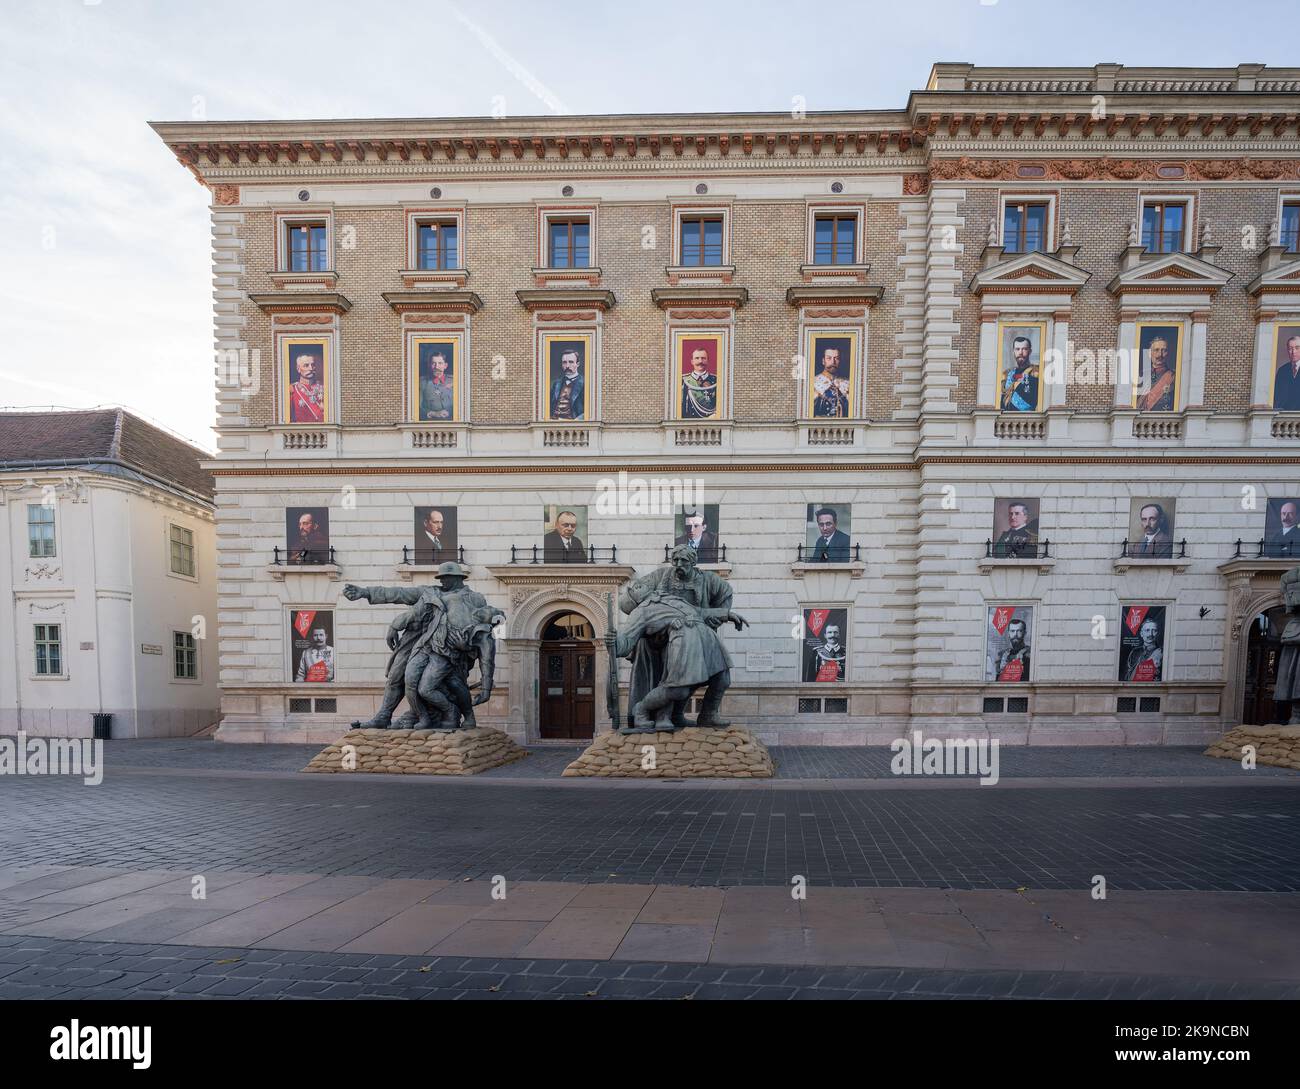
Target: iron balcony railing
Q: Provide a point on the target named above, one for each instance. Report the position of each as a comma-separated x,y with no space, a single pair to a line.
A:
1267,548
305,557
417,556
1018,550
558,554
714,554
1165,550
823,553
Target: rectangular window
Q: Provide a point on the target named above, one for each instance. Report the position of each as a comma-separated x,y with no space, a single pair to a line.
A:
568,243
1290,227
40,530
701,240
1163,226
436,245
305,247
1024,227
49,651
182,551
185,656
834,240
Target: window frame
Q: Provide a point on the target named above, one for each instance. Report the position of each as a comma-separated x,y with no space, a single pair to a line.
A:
192,650
57,642
442,264
1163,200
558,212
1288,200
570,221
54,532
1025,198
285,222
191,576
818,211
701,212
423,215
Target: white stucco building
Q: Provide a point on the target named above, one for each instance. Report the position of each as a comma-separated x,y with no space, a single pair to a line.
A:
107,575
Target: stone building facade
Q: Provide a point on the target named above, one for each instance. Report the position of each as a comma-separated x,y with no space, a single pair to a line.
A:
1080,546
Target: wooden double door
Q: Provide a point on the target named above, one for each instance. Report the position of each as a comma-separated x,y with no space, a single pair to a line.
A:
566,674
1263,648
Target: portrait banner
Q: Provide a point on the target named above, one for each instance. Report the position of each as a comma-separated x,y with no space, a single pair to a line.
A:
1142,643
567,385
436,538
311,642
1160,356
304,380
825,645
1020,362
307,534
1286,372
434,386
832,374
698,360
1008,638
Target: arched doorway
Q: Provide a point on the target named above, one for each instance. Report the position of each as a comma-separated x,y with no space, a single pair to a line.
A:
1263,646
566,674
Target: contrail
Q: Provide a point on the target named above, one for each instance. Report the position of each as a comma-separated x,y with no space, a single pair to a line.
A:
535,85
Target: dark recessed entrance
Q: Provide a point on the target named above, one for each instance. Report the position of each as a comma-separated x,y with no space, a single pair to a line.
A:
566,678
1263,647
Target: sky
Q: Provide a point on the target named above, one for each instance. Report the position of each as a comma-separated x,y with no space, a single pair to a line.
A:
105,278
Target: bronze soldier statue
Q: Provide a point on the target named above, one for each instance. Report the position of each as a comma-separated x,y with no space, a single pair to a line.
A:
435,643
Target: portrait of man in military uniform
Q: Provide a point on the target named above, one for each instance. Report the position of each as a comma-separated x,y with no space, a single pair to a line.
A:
1020,386
1159,355
698,360
1015,528
436,370
306,398
831,375
825,648
1142,644
311,642
1007,641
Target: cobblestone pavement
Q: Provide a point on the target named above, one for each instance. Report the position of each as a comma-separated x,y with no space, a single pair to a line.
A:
792,762
50,968
1219,836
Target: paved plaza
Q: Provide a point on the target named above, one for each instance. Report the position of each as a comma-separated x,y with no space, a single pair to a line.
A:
522,884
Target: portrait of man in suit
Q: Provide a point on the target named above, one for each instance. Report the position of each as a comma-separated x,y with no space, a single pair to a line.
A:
566,390
1286,379
1282,528
562,544
1151,528
828,539
435,534
698,528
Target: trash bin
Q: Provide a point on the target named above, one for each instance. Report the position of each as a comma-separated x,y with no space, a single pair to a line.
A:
103,726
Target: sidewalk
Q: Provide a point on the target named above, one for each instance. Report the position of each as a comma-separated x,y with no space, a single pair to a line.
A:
1222,936
843,765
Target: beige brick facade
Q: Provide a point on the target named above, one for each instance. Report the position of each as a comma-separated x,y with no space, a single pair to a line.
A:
920,463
